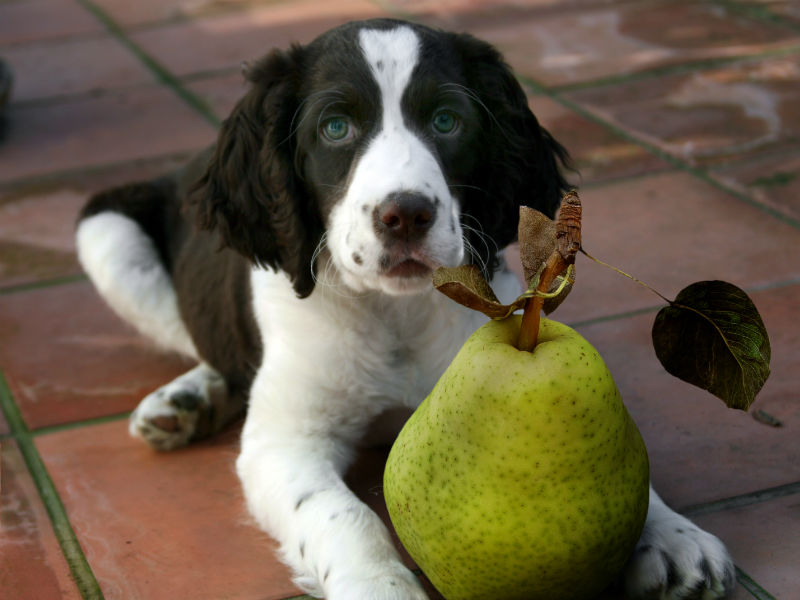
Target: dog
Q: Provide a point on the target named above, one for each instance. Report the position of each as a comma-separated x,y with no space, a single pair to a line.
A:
292,262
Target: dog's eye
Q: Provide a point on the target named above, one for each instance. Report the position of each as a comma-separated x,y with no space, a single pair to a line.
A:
444,121
337,129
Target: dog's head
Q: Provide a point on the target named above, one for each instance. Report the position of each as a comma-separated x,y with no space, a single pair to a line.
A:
388,149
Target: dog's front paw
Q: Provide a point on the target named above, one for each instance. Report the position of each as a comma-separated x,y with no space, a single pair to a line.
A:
679,561
396,584
178,412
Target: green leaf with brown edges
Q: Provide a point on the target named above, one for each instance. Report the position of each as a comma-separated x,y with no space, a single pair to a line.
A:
467,286
712,336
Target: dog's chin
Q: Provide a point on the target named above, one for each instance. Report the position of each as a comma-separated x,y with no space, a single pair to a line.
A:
406,278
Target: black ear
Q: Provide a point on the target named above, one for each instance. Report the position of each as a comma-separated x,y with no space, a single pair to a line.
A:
250,194
521,162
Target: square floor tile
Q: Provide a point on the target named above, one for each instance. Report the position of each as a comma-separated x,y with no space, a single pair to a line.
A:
67,357
763,541
699,449
225,41
72,66
37,20
597,153
31,563
37,237
771,178
134,124
162,525
220,92
37,220
711,116
150,12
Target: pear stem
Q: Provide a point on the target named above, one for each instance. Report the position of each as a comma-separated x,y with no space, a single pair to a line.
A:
568,242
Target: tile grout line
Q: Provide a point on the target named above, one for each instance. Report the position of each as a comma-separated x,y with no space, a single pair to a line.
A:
758,13
162,74
675,69
91,422
742,500
45,283
49,177
73,553
752,587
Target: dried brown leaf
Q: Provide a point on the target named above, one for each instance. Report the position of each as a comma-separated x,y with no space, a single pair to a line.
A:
537,240
467,286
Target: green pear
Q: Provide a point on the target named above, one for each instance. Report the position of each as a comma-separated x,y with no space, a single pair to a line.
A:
521,475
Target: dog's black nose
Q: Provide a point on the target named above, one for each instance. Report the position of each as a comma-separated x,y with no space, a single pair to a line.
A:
404,216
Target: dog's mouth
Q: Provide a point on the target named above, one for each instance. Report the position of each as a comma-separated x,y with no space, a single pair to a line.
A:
408,268
408,264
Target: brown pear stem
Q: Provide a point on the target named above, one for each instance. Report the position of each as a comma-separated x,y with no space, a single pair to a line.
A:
568,242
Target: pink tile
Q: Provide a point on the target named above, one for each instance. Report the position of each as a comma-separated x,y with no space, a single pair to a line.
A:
37,220
763,541
699,449
72,66
37,20
134,124
787,10
36,237
670,230
597,153
711,116
162,525
31,563
566,46
67,358
220,92
149,12
773,179
225,41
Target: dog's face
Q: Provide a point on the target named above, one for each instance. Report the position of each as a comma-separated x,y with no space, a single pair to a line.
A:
390,147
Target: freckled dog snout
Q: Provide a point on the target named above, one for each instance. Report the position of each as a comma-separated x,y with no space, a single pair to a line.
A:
404,216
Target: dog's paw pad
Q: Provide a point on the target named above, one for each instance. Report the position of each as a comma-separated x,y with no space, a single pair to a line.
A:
167,418
683,564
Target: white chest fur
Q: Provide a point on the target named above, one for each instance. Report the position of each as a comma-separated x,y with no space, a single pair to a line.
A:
352,356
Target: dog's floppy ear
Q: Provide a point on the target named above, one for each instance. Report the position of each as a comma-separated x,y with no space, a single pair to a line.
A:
250,194
521,163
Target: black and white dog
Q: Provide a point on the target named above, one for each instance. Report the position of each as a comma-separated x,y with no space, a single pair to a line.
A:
293,262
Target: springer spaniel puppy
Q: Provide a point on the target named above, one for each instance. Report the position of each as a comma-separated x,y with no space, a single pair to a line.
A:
292,261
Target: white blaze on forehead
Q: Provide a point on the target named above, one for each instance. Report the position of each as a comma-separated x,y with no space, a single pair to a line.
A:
396,158
392,56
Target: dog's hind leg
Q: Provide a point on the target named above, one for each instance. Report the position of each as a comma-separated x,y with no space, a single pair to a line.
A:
120,246
127,267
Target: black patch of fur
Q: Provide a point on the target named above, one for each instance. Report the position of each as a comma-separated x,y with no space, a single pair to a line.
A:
250,194
152,204
521,160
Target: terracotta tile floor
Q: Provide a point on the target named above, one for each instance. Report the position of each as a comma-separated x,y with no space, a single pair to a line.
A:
682,117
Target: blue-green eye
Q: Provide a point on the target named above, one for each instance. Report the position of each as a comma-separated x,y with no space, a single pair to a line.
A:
336,129
445,122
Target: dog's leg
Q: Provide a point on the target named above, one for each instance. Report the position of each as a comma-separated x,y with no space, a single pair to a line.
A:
292,460
122,261
675,559
125,268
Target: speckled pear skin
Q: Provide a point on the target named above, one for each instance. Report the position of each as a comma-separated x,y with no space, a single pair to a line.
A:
521,475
